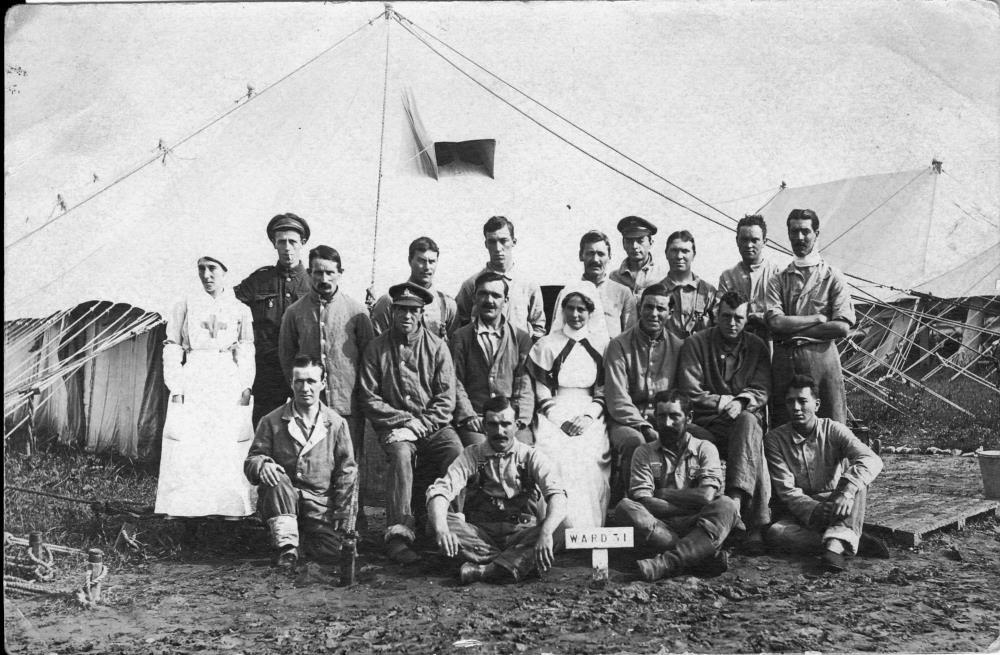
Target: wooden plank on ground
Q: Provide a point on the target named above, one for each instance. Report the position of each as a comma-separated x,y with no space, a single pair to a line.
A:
910,517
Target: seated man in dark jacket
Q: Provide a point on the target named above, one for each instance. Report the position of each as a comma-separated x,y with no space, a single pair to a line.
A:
490,355
302,460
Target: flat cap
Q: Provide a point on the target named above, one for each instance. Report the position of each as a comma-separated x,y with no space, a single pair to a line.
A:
288,222
410,295
636,226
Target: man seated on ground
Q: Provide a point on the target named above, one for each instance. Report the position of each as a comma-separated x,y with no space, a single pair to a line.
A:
490,357
821,473
726,372
674,502
303,462
407,391
505,533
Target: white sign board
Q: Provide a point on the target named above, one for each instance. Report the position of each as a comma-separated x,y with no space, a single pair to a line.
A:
577,538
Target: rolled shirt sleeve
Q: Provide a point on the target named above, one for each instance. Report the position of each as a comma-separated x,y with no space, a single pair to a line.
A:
454,480
642,482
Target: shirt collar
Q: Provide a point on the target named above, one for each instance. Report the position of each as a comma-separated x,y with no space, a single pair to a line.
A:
482,328
688,447
646,265
319,299
692,284
645,339
506,274
798,439
486,451
298,268
408,339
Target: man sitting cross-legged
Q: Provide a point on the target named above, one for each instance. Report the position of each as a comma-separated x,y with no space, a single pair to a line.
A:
726,372
674,502
302,459
504,534
821,473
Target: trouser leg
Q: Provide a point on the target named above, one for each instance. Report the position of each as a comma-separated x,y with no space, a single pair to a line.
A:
518,556
650,532
848,529
399,489
788,534
279,507
782,370
470,437
435,453
741,443
624,440
476,545
319,540
270,390
821,362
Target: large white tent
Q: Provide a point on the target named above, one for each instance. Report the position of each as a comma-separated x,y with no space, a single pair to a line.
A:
141,136
725,99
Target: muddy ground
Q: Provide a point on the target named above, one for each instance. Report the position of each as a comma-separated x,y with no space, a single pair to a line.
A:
220,594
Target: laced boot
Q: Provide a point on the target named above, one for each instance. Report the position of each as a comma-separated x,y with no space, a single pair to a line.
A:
692,550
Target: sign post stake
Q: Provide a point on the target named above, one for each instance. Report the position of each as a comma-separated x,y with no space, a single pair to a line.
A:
599,540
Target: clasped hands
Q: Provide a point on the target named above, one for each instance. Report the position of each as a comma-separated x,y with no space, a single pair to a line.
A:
450,545
577,425
837,506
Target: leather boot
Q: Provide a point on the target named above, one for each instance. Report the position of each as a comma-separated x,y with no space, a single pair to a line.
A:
696,547
662,566
660,538
470,573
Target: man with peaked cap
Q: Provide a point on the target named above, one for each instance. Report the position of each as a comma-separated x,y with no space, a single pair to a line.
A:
269,291
334,328
407,391
639,270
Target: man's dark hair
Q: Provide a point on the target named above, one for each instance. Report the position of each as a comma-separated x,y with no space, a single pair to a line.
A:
752,220
654,290
733,298
327,253
803,381
801,215
492,276
422,244
587,302
673,396
682,235
304,361
594,236
496,404
495,223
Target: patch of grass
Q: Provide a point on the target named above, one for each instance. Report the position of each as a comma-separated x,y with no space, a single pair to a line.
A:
928,421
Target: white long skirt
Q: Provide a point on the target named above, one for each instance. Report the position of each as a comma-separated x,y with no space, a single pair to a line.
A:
584,461
205,441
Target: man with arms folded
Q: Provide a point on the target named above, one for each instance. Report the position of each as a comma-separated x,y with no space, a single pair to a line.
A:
407,391
674,502
821,473
524,308
490,357
726,373
808,308
440,316
302,460
504,533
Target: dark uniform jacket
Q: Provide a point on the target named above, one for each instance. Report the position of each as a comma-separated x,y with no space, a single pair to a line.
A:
269,291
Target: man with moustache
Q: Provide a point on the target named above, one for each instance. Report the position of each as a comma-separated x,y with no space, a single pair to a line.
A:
808,308
692,298
639,363
269,292
440,316
750,276
617,299
726,373
490,357
505,532
674,502
639,269
407,390
524,308
303,462
821,474
335,329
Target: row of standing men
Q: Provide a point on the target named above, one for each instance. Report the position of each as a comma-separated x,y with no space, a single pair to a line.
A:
639,335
